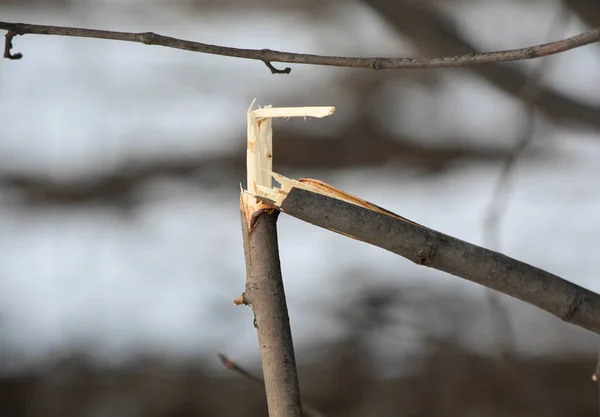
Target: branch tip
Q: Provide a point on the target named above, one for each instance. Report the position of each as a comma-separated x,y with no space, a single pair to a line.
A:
8,46
240,300
274,70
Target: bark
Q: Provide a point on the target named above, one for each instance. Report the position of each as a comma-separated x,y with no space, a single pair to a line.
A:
428,247
266,296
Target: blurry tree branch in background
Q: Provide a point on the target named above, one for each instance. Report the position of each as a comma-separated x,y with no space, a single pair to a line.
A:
587,11
529,95
434,33
307,410
267,56
295,150
497,207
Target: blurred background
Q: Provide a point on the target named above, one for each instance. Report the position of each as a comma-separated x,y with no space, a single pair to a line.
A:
120,239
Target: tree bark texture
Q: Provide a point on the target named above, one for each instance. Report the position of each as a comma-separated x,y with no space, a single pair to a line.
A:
266,296
428,247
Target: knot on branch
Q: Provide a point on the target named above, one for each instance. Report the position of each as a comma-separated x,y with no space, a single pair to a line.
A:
573,307
148,38
426,254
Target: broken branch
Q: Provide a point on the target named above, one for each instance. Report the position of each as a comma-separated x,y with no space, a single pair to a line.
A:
265,293
350,216
266,296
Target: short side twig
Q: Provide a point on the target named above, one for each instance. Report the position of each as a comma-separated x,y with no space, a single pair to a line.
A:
8,46
307,410
268,56
349,216
232,366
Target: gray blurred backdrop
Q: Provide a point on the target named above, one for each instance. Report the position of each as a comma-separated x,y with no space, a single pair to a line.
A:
120,240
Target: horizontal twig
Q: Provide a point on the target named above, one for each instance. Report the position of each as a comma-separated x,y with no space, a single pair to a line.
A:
267,56
352,217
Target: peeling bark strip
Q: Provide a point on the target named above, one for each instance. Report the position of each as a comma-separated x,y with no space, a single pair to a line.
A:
350,216
265,293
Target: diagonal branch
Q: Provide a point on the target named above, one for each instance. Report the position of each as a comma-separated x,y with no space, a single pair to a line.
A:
436,34
307,410
324,206
267,56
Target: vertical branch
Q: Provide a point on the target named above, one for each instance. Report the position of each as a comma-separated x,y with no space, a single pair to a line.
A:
266,296
265,293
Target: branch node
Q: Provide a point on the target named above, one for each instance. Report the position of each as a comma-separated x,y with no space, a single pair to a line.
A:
274,70
148,38
241,300
427,254
573,307
8,46
375,65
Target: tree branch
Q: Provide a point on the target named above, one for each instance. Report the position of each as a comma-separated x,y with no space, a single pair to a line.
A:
358,144
267,56
324,206
264,284
307,410
266,296
435,34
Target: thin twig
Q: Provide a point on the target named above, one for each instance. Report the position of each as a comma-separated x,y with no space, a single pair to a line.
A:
232,366
307,410
267,56
368,223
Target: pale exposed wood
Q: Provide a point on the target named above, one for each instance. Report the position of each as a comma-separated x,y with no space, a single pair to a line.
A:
265,292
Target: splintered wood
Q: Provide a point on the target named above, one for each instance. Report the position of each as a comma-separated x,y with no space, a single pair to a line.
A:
276,196
259,153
